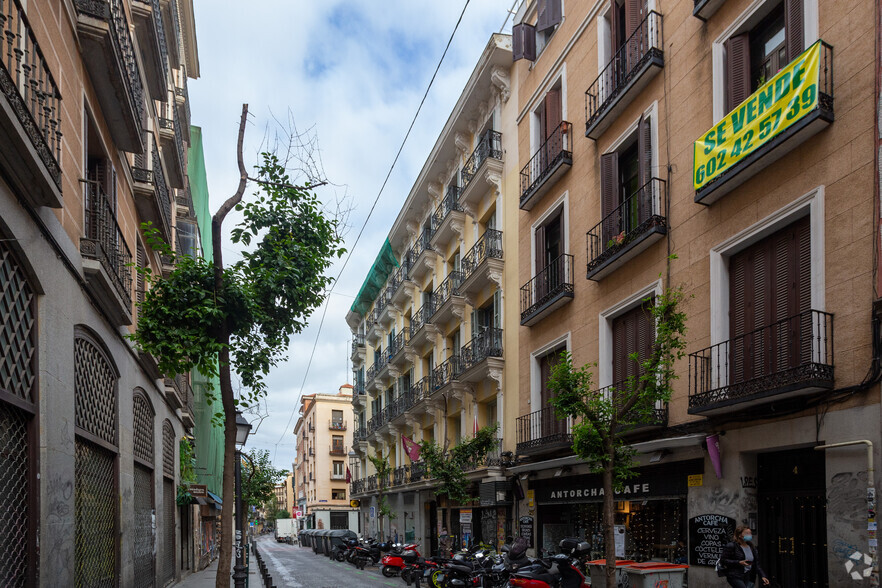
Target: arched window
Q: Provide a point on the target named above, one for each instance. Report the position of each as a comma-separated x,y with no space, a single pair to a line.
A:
95,473
145,570
18,394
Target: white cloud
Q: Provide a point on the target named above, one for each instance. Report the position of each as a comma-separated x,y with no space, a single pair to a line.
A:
355,70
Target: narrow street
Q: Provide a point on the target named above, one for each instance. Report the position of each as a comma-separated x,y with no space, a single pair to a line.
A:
294,567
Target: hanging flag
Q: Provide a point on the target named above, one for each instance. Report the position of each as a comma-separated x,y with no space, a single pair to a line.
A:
348,475
410,448
716,457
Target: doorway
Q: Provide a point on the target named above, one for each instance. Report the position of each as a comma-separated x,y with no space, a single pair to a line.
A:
792,526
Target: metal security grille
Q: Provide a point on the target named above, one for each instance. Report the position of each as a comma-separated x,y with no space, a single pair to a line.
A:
143,428
16,329
168,521
95,386
168,449
143,533
14,487
95,507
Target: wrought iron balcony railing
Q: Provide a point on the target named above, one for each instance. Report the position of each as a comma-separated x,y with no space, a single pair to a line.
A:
357,342
418,472
493,458
337,425
30,89
337,449
398,343
541,430
445,373
489,246
357,486
549,287
113,12
418,320
380,362
486,344
399,476
642,50
625,229
656,416
174,124
489,145
554,153
104,241
360,434
449,203
448,288
791,355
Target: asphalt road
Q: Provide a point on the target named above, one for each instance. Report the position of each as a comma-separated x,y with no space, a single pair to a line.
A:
293,566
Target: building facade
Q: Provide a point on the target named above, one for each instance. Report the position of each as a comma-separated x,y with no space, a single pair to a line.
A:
435,324
94,123
324,437
697,144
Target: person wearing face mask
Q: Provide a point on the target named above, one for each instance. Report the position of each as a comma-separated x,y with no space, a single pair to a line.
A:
741,561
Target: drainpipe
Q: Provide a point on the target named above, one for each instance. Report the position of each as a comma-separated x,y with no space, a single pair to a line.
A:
871,510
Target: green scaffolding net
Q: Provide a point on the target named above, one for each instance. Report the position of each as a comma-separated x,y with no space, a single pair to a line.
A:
384,264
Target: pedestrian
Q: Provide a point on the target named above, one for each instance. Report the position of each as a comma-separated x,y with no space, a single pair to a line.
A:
741,561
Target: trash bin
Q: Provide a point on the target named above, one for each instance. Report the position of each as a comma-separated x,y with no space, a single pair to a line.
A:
597,571
656,574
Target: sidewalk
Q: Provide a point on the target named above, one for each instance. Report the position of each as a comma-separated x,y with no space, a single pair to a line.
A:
207,577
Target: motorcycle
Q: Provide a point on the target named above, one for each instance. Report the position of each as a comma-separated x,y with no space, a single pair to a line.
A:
563,570
402,554
369,553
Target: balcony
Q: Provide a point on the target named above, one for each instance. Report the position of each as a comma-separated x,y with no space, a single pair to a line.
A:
376,368
445,374
337,449
336,425
182,101
704,9
357,487
448,220
375,422
482,265
360,434
30,113
154,48
373,330
447,301
151,192
386,311
173,393
186,390
173,147
109,57
107,261
358,348
480,356
422,331
395,351
338,476
399,476
423,255
482,170
789,358
628,230
712,183
549,290
542,432
636,421
403,288
635,63
553,159
492,459
172,24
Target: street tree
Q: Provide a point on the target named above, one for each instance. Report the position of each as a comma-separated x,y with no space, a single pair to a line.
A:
383,471
259,478
599,419
240,318
448,466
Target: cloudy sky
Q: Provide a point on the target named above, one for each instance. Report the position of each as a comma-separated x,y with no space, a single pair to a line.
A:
354,71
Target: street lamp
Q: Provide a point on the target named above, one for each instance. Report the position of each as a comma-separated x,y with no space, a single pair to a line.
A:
243,428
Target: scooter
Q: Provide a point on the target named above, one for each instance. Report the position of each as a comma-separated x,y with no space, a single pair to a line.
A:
369,554
563,570
401,556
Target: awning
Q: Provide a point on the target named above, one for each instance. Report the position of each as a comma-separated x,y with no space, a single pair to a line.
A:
216,498
201,500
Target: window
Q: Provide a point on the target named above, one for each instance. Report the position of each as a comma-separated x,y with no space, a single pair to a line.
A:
337,443
550,267
548,120
625,174
529,40
338,468
340,520
338,494
766,42
187,236
546,364
337,416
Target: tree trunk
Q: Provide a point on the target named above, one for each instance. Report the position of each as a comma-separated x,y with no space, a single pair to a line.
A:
609,535
226,386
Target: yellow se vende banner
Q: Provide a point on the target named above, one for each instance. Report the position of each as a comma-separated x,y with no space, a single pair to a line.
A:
776,105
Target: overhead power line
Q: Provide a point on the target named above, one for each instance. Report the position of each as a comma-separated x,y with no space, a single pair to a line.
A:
364,224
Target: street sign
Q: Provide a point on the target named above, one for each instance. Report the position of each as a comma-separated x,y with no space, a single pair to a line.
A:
200,490
298,514
373,512
354,503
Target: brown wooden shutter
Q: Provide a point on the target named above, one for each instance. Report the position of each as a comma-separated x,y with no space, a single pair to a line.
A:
620,355
737,70
633,19
523,42
644,150
139,277
793,29
553,114
554,12
540,248
609,196
614,27
542,18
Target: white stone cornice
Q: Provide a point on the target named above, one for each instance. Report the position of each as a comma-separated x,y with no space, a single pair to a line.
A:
494,178
501,80
462,142
435,190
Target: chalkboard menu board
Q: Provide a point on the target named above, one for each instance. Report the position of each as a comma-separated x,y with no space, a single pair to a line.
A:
525,525
708,534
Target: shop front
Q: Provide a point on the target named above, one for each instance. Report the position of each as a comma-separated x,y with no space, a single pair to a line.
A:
650,511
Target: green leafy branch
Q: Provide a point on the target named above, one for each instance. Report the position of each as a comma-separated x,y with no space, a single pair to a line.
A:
449,467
